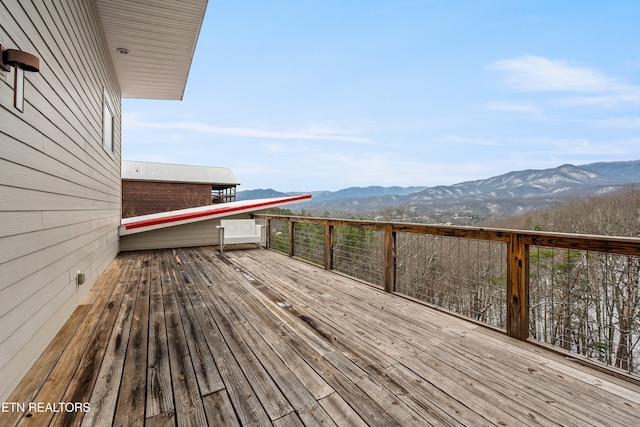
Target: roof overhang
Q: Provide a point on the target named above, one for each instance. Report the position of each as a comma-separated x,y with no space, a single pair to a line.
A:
150,222
169,172
159,37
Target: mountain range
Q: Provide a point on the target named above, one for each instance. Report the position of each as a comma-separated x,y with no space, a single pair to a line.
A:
510,193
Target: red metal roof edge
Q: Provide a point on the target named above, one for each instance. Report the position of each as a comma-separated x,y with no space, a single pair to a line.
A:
203,214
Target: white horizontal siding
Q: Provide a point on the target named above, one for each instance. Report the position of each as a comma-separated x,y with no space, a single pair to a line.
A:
60,191
201,233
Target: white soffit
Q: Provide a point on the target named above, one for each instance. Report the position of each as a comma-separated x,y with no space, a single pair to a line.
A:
160,36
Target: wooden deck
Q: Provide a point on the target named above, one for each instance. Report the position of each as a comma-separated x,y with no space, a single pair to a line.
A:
252,337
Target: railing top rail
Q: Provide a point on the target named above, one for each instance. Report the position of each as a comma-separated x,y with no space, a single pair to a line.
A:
596,243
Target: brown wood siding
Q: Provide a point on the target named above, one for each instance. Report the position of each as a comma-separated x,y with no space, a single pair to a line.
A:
60,191
146,197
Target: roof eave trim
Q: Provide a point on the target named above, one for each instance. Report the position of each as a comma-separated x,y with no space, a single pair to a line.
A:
185,216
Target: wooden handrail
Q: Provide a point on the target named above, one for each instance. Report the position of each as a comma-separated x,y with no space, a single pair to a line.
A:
517,241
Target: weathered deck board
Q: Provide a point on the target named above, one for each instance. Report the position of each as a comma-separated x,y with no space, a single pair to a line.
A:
254,338
159,400
107,387
75,371
131,398
288,379
188,402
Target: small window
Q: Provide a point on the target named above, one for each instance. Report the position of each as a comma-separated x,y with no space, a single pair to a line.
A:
107,125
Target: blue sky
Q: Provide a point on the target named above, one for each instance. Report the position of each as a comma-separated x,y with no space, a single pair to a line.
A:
302,95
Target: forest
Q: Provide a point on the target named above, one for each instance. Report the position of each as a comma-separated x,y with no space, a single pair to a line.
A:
585,302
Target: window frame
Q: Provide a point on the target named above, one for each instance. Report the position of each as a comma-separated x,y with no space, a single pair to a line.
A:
108,137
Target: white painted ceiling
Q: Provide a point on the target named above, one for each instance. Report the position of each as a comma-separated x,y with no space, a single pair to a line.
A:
160,36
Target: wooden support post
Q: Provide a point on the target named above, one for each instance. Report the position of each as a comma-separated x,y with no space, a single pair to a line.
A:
267,230
389,259
328,246
517,288
291,236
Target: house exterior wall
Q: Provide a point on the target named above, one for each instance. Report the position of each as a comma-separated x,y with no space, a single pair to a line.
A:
60,190
201,233
147,197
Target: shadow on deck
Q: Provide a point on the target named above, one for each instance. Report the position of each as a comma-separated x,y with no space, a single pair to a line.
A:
252,337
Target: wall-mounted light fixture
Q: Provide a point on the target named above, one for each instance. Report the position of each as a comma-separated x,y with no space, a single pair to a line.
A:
80,278
3,65
21,61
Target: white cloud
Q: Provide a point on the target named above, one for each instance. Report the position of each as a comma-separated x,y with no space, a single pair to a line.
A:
313,132
336,170
538,74
618,123
514,107
468,140
631,96
564,148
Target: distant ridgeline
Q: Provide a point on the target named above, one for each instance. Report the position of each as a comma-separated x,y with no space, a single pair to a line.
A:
469,202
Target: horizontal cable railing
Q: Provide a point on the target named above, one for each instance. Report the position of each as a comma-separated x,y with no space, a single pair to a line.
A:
357,252
586,302
466,276
278,235
575,292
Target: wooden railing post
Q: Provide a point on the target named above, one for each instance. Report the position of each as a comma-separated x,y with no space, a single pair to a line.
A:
267,237
389,259
291,236
328,246
517,287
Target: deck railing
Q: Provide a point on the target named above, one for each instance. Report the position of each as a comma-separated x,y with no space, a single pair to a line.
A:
577,292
